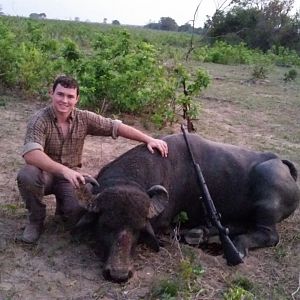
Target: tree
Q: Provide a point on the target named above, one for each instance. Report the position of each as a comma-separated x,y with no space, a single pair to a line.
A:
259,23
155,26
37,16
115,22
186,28
1,12
167,23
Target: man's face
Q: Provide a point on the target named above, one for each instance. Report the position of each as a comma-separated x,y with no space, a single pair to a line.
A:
64,99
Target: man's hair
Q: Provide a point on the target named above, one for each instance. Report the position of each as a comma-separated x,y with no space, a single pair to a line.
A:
67,82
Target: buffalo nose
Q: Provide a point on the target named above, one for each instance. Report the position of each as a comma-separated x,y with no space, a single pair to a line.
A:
117,275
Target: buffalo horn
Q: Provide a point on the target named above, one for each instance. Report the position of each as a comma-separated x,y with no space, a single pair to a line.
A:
160,197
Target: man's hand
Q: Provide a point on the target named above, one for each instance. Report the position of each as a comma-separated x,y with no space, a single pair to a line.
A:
74,177
160,145
134,134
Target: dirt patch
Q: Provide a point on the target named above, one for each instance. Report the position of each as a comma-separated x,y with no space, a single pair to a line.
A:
57,268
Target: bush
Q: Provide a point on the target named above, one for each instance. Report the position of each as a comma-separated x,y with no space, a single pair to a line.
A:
8,56
290,75
223,53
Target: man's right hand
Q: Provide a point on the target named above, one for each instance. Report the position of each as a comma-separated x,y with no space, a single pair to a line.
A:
41,160
74,177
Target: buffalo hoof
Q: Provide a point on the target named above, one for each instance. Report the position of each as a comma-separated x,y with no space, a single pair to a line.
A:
194,236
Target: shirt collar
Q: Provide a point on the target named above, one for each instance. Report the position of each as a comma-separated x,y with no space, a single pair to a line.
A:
53,115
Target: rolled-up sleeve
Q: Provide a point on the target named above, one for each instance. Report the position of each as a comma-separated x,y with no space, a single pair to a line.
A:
116,124
31,146
35,135
101,126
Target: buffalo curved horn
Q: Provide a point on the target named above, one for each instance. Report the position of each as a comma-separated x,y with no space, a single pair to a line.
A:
84,193
159,200
91,180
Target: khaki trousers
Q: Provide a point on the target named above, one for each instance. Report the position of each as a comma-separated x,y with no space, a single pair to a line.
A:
33,184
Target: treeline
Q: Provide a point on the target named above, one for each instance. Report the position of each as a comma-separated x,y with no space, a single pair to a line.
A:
260,24
169,24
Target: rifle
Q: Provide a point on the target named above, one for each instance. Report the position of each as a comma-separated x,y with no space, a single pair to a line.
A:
231,254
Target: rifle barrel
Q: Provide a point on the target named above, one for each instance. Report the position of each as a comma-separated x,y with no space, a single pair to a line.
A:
230,252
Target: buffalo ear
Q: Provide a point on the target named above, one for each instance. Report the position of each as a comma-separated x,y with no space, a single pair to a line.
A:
159,200
86,197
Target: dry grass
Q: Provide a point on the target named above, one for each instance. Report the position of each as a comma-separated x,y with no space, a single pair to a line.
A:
262,116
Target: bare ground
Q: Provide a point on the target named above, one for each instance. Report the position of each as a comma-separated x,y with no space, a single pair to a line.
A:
57,268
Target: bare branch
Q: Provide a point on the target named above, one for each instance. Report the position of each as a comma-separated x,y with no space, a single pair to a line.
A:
191,48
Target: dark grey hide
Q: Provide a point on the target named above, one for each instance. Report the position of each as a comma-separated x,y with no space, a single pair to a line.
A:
139,193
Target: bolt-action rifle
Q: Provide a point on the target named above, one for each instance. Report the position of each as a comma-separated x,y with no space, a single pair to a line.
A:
231,254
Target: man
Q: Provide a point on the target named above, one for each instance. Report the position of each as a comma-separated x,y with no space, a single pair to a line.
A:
53,150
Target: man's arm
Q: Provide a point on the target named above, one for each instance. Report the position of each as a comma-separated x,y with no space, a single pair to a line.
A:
42,161
135,134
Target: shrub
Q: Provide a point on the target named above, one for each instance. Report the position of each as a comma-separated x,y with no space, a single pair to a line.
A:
259,72
8,56
290,75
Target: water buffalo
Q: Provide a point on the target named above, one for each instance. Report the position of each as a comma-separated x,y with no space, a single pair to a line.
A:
139,193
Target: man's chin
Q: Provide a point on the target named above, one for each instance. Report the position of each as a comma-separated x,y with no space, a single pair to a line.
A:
63,110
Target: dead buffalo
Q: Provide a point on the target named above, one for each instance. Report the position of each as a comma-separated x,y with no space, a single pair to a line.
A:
139,193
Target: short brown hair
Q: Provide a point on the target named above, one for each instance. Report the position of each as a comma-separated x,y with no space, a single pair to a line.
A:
66,82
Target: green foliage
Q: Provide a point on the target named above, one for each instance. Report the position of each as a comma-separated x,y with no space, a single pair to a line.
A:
290,75
33,68
70,51
165,289
243,282
118,69
259,72
124,73
284,56
259,24
191,86
189,272
8,56
182,284
182,218
240,289
224,53
238,293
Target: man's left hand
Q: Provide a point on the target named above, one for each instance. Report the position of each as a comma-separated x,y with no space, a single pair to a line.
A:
160,145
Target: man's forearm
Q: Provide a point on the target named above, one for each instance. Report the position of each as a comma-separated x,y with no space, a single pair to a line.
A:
42,161
133,134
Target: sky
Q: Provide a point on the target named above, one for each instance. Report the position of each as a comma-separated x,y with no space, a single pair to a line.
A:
127,12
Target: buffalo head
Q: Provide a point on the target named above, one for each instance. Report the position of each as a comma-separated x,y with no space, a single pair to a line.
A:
122,215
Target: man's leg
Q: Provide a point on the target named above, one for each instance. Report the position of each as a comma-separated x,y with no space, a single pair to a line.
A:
33,184
67,200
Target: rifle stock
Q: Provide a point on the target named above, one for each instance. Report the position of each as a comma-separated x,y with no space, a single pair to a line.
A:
231,254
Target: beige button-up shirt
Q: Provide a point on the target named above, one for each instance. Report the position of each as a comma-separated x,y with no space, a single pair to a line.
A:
43,133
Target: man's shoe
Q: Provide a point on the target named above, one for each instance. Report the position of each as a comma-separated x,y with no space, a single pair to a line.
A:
32,233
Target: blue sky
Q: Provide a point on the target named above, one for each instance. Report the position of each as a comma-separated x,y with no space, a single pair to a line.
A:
134,12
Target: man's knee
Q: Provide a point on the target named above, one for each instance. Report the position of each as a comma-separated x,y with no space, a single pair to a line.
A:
30,176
